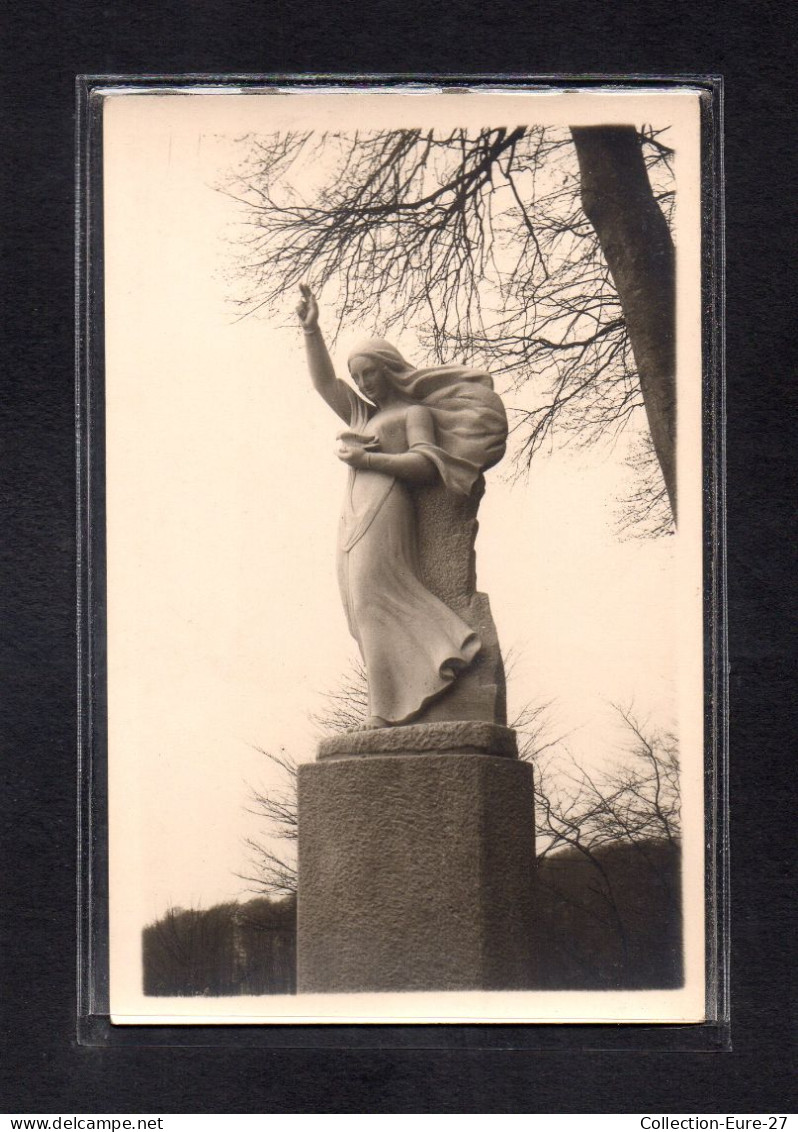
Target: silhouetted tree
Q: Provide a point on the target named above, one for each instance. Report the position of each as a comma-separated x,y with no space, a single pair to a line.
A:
346,705
544,252
619,202
645,512
275,872
609,855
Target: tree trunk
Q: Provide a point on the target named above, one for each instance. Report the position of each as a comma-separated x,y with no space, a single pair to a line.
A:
637,245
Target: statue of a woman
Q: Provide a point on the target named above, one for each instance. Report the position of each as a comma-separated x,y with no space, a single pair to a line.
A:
416,426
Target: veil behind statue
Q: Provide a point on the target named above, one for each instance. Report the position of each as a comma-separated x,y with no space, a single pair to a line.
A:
470,421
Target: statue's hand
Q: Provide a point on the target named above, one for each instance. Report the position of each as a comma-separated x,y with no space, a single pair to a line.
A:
355,456
308,309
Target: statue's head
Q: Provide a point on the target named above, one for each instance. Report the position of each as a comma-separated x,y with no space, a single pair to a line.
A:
377,369
469,417
371,377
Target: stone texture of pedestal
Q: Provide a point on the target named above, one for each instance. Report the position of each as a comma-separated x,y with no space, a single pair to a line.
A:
416,868
445,737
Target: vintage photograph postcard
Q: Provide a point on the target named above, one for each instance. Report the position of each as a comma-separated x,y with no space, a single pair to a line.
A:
404,555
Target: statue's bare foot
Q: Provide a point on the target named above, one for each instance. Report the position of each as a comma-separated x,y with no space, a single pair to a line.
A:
372,722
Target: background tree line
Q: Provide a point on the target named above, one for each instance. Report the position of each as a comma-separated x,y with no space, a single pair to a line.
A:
232,948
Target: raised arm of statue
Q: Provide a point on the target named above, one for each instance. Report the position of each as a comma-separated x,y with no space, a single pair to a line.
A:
337,395
411,432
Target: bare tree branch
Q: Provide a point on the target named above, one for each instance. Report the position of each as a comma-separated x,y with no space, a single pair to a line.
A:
644,513
478,239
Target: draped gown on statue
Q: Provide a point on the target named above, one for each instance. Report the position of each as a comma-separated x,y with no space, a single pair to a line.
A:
412,644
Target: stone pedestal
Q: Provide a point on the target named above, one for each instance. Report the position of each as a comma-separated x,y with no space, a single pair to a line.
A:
416,859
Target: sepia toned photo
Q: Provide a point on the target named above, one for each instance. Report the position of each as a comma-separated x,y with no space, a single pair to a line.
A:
403,522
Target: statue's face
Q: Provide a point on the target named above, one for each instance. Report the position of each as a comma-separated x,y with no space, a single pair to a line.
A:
370,378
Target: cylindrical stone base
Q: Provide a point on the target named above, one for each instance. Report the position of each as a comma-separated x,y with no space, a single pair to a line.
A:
415,873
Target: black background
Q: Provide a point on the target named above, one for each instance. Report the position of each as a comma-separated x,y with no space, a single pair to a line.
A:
45,46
